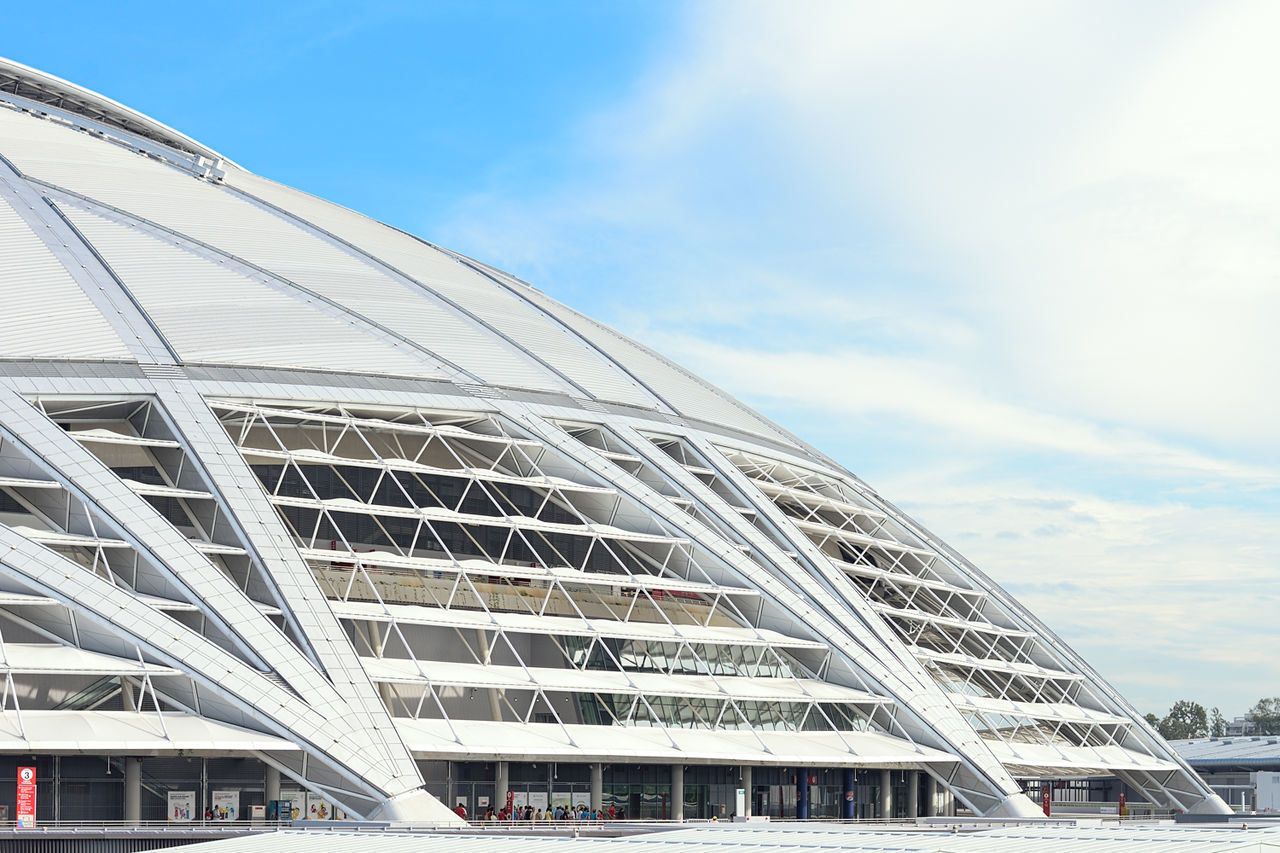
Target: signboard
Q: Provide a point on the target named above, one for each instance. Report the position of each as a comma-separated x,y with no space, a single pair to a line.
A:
741,804
182,806
1044,799
561,799
538,799
26,796
1123,809
318,808
226,805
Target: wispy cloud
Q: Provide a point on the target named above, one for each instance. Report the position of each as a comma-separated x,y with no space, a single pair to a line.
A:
979,249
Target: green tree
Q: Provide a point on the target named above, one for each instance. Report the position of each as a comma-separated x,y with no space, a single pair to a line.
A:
1266,716
1185,719
1152,720
1217,723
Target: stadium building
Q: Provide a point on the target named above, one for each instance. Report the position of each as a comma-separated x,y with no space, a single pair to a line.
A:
295,505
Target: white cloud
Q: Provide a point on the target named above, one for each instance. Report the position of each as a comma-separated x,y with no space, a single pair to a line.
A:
846,381
1016,234
1143,591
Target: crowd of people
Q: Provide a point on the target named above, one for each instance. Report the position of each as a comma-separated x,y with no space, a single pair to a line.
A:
581,812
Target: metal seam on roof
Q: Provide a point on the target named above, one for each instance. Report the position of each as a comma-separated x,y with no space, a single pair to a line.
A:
435,292
15,74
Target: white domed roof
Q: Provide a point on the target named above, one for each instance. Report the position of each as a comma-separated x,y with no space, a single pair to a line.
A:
198,258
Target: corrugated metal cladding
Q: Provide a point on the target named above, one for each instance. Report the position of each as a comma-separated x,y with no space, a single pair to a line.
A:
688,395
524,323
163,194
88,845
210,313
517,339
784,838
46,314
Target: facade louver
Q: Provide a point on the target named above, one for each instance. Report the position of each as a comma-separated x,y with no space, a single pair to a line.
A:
292,496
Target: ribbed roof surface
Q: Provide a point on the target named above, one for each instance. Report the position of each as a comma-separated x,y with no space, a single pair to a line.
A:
116,230
786,838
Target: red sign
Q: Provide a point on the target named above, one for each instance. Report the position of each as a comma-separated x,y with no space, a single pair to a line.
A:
1044,799
26,796
1123,811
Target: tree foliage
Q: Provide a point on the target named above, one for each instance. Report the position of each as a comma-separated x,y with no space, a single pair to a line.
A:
1185,719
1266,716
1217,723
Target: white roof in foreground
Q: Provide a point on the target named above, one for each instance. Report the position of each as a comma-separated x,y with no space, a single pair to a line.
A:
784,838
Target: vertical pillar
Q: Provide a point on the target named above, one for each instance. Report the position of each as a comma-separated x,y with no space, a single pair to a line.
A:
597,786
271,789
802,793
886,795
913,794
495,701
132,790
749,787
931,796
501,784
677,792
849,809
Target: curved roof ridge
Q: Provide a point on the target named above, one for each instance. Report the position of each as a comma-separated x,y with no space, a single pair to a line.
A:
35,85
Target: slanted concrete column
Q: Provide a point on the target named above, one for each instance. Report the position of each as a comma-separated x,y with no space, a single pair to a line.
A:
272,786
597,786
913,794
886,795
495,700
750,800
677,792
133,790
502,784
931,796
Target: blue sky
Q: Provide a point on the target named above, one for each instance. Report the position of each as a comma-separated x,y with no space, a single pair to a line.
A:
1015,264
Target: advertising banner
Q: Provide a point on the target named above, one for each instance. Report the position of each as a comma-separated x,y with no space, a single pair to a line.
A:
226,805
538,799
318,808
182,806
561,799
26,796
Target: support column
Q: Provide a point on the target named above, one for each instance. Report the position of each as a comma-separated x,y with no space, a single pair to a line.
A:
495,700
913,794
886,795
502,784
597,786
677,792
132,790
749,802
802,793
849,810
271,789
931,796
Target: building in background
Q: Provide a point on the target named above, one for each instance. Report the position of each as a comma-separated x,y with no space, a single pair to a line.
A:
294,505
1243,771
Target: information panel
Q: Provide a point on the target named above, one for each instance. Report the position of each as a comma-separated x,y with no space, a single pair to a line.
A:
26,796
